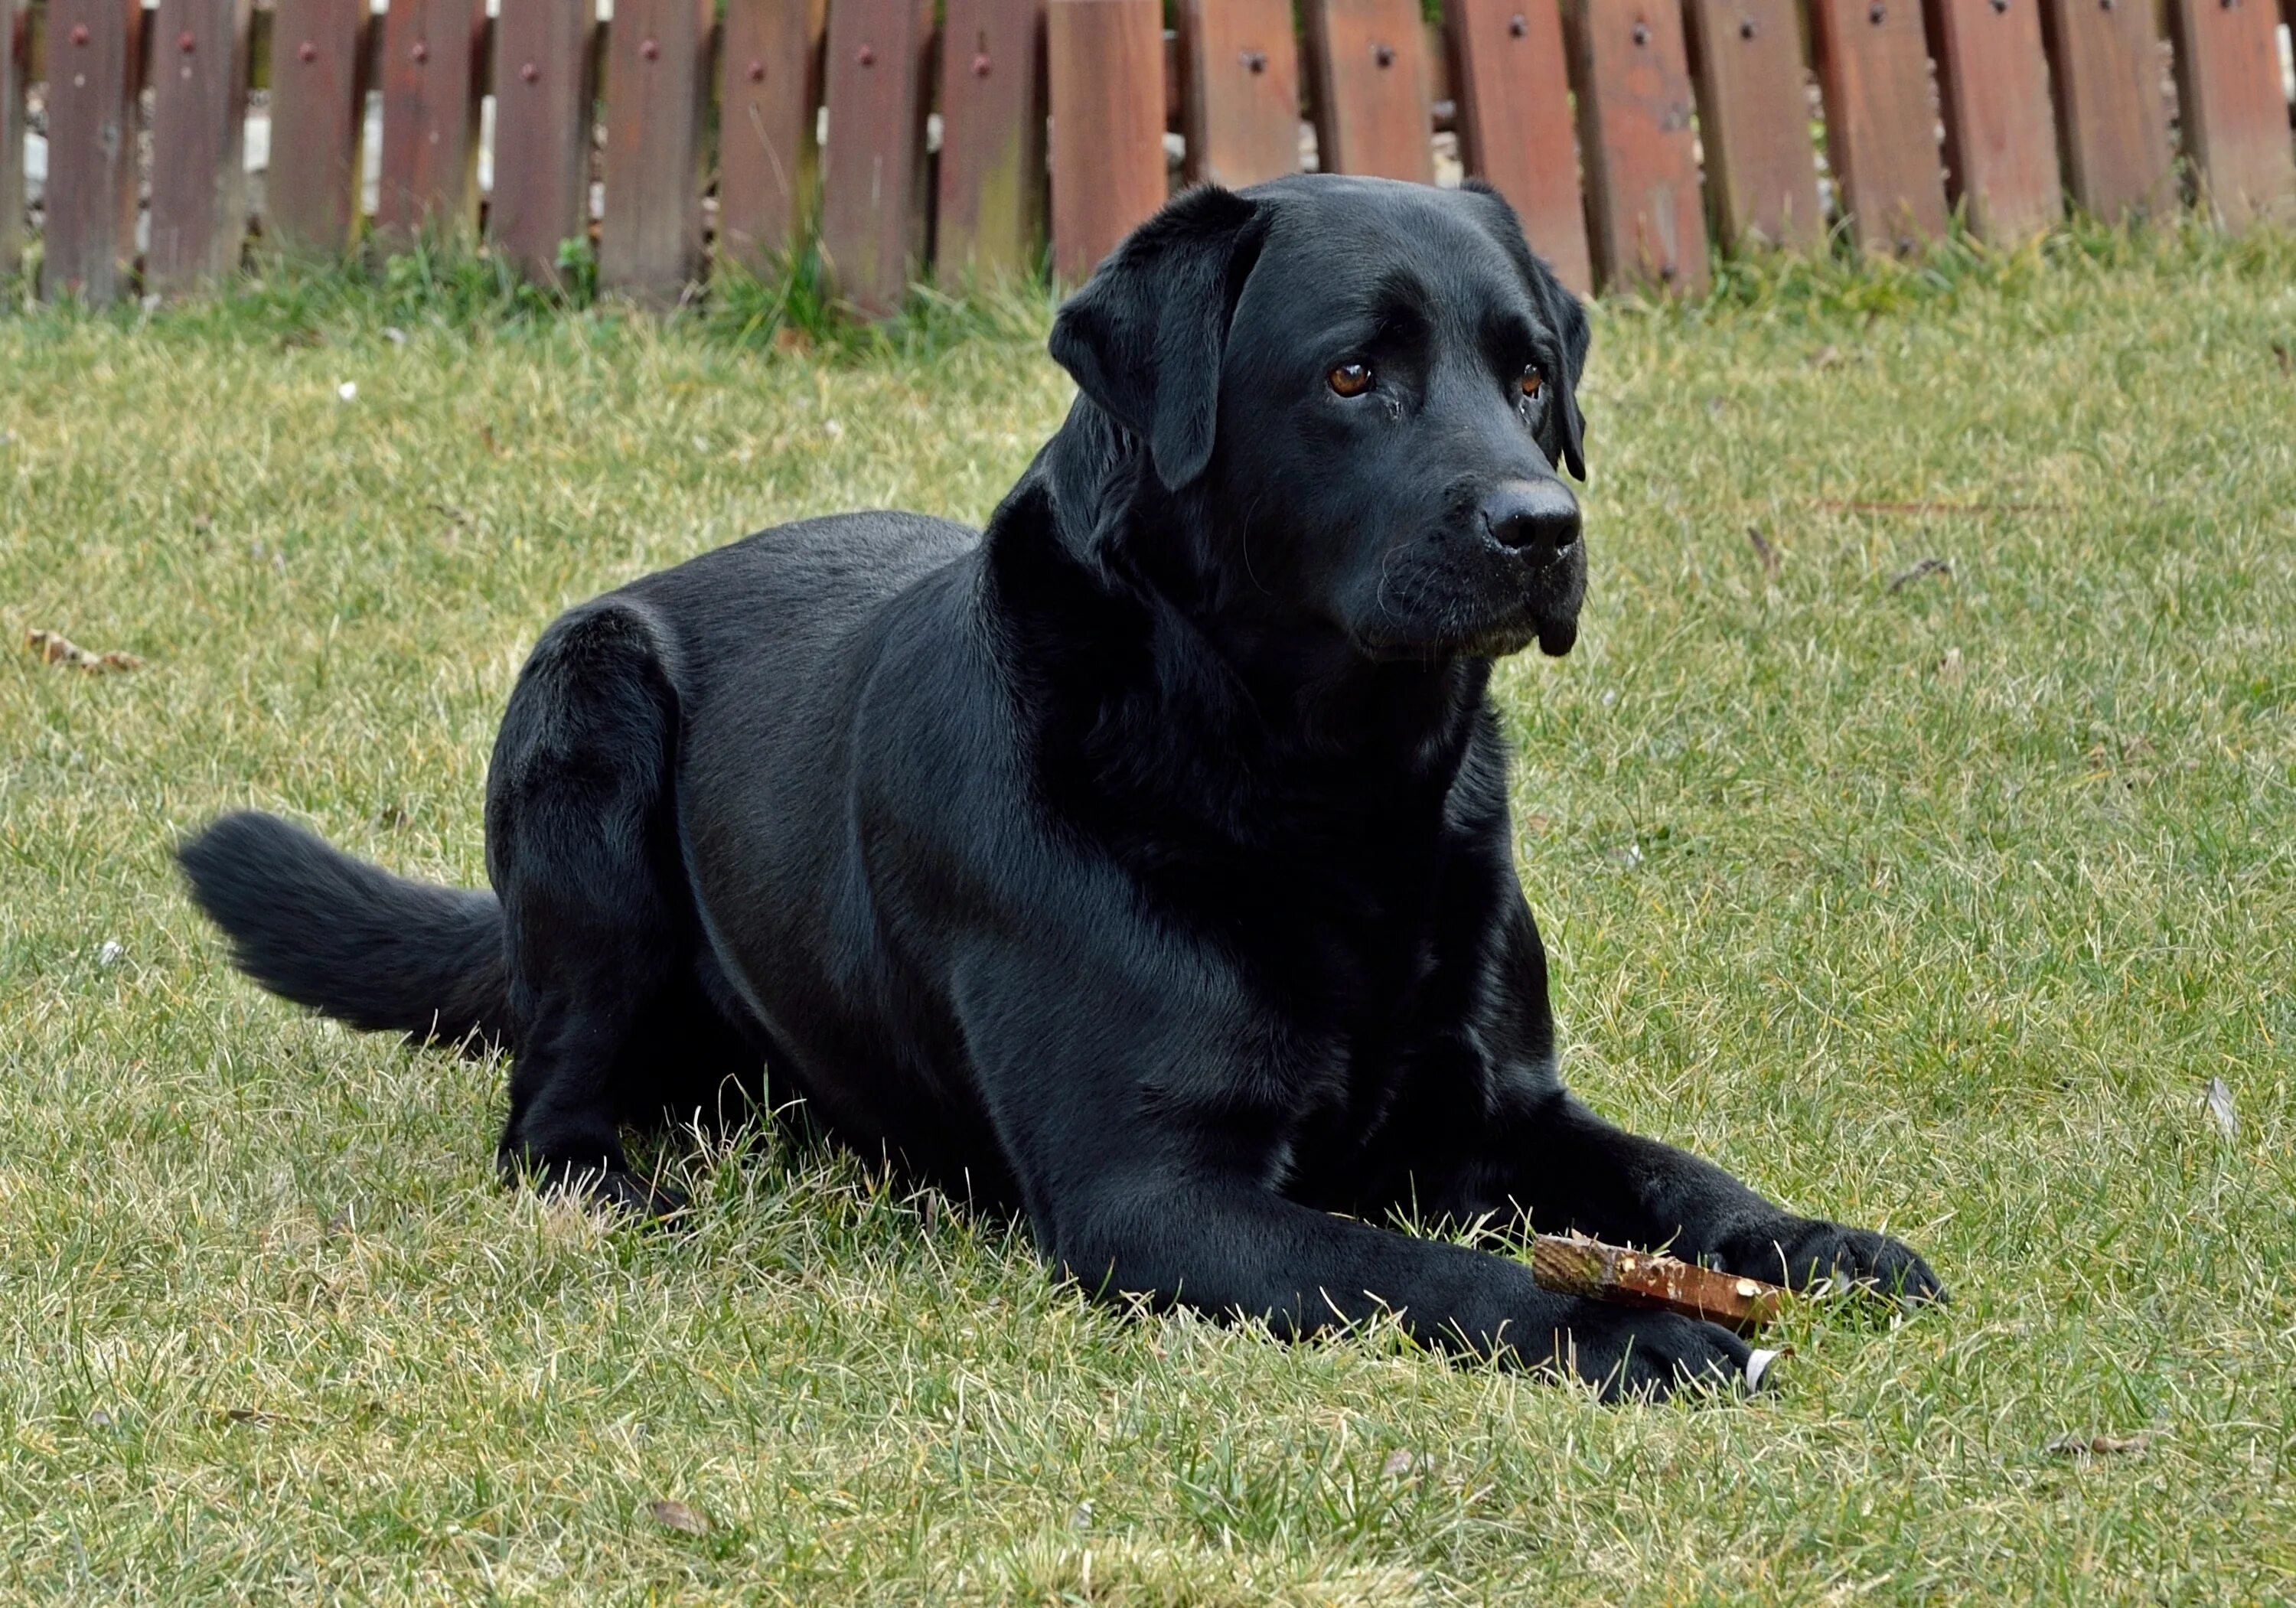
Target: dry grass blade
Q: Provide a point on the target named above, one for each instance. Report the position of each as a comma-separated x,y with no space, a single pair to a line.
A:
2103,1446
2221,1110
1928,566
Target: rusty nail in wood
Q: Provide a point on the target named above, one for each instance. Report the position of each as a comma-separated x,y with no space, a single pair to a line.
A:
1642,33
531,73
1666,272
79,33
867,56
186,43
757,72
980,65
307,52
1877,14
2000,5
1518,25
1254,60
649,50
421,52
1384,55
1745,27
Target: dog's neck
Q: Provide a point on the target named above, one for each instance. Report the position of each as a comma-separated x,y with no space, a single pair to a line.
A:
1091,536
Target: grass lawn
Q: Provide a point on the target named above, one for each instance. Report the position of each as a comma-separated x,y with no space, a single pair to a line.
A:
1935,906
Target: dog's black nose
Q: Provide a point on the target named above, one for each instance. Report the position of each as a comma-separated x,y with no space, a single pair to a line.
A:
1537,518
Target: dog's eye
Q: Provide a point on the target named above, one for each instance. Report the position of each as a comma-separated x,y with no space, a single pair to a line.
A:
1530,382
1350,379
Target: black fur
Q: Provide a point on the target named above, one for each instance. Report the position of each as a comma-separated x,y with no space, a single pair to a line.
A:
1141,864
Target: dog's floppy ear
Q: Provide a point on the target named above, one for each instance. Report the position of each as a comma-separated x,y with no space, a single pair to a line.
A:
1560,310
1144,337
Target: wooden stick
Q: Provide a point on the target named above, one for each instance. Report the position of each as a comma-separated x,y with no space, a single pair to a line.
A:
1574,1265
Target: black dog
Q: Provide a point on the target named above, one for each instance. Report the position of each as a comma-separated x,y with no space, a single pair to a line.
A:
1143,864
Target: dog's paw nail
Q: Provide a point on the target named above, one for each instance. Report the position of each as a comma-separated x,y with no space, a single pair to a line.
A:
1757,1365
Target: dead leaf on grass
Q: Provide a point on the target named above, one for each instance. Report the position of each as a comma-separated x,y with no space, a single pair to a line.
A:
678,1516
53,647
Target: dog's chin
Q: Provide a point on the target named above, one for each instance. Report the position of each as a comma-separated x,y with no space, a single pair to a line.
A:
1498,639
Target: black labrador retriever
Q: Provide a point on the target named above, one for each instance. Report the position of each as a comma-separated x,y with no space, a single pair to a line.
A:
1143,864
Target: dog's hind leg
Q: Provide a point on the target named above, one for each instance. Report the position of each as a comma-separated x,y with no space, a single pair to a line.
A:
581,846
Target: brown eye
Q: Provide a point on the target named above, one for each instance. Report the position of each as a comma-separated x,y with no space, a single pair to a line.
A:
1531,381
1350,379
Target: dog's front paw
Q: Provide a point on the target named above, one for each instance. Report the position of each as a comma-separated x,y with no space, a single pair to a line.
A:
616,1189
1626,1353
1804,1253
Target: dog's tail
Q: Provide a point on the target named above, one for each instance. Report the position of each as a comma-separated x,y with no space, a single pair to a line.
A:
349,940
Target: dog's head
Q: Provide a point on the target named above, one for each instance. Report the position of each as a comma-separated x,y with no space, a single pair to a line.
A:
1362,391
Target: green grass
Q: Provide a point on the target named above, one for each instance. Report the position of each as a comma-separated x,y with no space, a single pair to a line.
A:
1935,908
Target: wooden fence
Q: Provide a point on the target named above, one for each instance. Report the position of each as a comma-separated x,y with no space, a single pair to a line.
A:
1629,134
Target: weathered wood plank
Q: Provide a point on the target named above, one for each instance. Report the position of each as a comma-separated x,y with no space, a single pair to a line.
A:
430,77
650,238
1368,72
873,213
1240,106
991,215
1881,124
769,165
1753,116
542,73
1513,94
2235,117
1635,125
1106,61
318,87
198,124
2000,139
90,239
2105,61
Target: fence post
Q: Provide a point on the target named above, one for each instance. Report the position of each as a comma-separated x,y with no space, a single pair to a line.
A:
769,165
991,215
1367,74
1880,134
430,119
1106,59
650,239
873,190
319,112
1635,128
2105,61
1513,95
14,25
90,195
1753,118
2235,120
199,125
2000,141
543,107
1240,114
